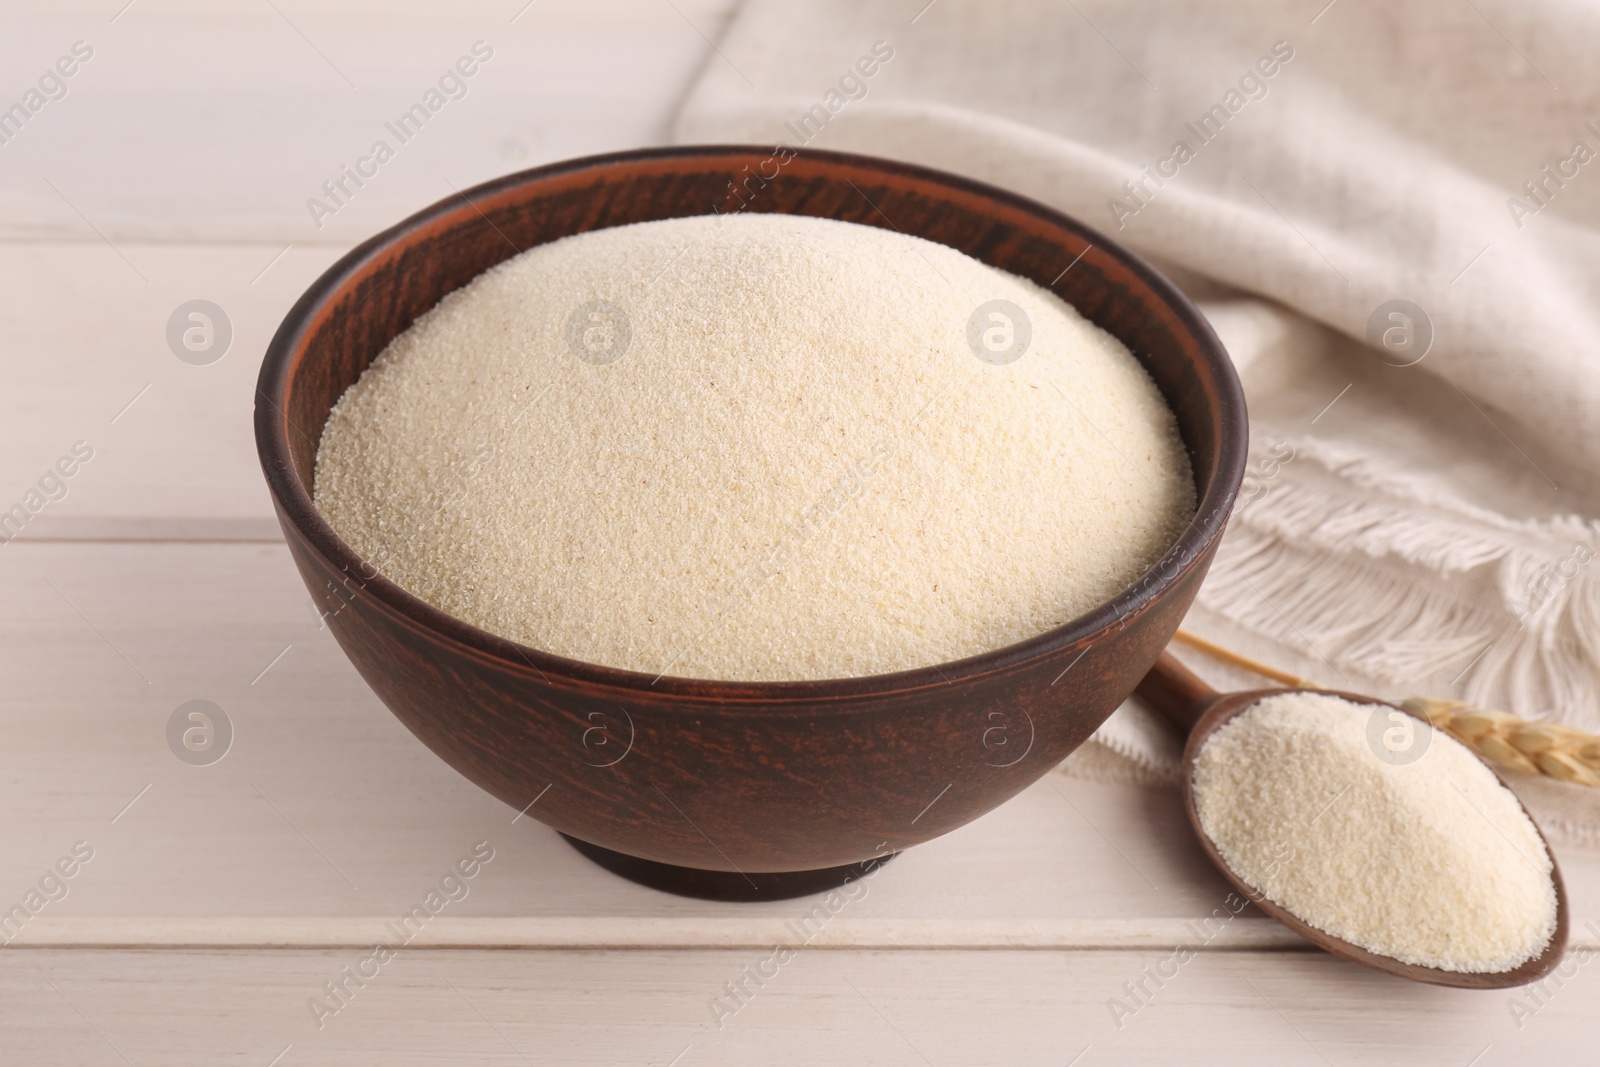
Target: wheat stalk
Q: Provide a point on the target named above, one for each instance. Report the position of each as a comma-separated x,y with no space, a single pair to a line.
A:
1535,747
1546,748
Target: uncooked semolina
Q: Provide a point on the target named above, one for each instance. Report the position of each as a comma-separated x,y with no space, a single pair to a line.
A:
755,447
1431,862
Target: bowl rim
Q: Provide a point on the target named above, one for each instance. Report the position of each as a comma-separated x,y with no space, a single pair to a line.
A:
297,510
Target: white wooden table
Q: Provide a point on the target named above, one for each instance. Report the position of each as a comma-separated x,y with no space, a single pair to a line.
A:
219,899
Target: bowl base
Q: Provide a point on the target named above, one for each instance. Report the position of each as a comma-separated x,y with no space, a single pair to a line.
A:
725,885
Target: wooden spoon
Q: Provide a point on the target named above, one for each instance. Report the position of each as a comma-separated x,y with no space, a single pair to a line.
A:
1196,710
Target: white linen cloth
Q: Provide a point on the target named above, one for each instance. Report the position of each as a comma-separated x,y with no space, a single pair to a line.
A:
1420,529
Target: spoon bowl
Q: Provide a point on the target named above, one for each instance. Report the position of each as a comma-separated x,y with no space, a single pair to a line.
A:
1193,706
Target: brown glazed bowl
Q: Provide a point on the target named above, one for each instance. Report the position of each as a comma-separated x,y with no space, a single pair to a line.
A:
717,787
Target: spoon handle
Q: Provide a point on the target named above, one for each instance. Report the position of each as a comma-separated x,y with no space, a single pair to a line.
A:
1176,692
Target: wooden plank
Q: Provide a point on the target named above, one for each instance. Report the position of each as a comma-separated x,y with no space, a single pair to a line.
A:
172,445
1000,1007
224,120
325,807
726,927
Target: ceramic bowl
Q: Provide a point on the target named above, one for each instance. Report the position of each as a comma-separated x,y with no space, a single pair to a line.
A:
730,788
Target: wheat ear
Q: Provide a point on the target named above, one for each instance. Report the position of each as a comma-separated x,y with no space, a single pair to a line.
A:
1546,748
